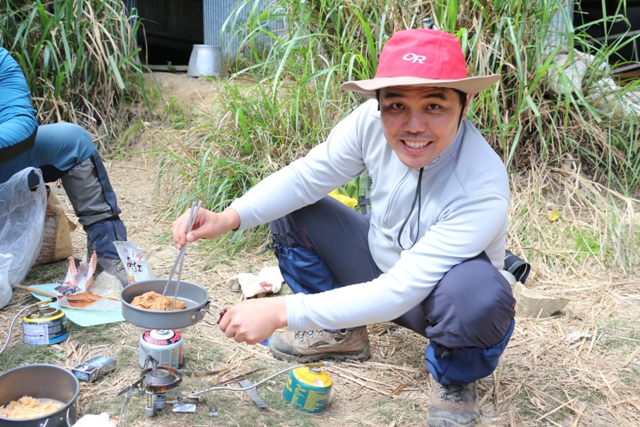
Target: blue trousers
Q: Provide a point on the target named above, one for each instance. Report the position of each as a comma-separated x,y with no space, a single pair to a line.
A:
468,317
58,147
66,151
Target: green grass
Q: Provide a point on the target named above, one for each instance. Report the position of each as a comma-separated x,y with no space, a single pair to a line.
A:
22,354
631,377
47,273
79,59
211,358
283,98
176,114
618,335
386,411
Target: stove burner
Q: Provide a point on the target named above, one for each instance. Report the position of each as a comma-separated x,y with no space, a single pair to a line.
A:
161,379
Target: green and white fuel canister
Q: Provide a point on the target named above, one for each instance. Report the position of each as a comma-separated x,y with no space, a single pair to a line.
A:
308,389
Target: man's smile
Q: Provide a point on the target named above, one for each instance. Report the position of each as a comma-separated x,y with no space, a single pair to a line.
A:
415,144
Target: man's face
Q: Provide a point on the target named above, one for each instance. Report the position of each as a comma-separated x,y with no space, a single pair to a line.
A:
420,122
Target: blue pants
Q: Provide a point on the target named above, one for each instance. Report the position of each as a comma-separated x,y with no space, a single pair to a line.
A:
58,148
468,317
66,151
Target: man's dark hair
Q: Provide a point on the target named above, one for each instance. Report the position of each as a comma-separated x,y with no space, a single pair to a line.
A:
461,94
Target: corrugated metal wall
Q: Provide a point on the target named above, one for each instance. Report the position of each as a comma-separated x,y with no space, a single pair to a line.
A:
130,4
217,12
558,30
593,11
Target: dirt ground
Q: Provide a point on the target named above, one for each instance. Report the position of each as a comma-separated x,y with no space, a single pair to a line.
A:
578,368
187,89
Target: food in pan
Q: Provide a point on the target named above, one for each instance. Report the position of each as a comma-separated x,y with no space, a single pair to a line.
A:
154,301
28,407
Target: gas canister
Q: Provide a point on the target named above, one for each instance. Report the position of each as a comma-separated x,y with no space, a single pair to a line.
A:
44,325
163,345
308,389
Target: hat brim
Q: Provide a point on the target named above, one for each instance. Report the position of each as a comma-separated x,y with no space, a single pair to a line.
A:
368,88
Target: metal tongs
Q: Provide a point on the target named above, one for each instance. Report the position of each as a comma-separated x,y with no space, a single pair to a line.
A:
193,214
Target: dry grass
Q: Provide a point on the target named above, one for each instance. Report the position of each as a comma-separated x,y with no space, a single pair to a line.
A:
579,368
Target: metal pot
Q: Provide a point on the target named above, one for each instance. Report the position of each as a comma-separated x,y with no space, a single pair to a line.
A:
194,296
41,382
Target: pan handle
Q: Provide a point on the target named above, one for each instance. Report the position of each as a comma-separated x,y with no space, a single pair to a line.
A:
204,310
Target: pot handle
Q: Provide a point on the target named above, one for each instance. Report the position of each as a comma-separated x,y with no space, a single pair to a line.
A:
204,310
67,420
68,409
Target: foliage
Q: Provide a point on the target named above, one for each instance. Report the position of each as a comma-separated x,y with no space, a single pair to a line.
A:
328,42
299,53
79,58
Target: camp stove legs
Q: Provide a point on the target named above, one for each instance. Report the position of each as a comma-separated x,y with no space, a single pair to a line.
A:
154,401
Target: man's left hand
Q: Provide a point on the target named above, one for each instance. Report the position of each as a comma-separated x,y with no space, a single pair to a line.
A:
254,320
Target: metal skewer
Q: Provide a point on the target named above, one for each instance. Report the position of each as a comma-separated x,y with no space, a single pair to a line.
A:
193,214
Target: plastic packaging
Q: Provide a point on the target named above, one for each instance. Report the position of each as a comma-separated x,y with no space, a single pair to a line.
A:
22,221
79,276
5,288
91,420
134,261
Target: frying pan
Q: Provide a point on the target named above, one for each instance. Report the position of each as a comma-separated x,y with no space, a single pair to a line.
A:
194,296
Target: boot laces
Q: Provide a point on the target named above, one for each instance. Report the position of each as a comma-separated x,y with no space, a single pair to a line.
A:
116,263
453,393
301,334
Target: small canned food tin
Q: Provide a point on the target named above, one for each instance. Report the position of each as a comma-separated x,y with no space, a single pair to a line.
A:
308,389
44,325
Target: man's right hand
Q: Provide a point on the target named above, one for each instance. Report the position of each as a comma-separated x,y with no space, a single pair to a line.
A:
207,225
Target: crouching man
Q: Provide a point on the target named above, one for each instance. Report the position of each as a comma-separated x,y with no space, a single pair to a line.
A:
429,254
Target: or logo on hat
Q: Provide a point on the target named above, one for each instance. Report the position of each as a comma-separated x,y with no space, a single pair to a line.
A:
414,58
440,63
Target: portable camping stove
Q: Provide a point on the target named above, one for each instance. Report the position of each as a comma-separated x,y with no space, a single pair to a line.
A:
156,384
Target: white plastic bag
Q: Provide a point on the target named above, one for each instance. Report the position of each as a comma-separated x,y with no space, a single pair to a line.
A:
5,288
134,261
21,222
89,420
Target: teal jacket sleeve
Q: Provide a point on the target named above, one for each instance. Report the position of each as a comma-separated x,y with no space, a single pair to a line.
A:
17,117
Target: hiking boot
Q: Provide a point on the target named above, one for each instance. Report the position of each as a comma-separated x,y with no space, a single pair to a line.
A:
114,267
453,406
311,346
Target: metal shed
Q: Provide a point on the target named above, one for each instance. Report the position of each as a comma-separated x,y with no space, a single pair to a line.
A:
171,28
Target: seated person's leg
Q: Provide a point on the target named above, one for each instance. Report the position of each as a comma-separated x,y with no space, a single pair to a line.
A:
66,151
321,247
17,162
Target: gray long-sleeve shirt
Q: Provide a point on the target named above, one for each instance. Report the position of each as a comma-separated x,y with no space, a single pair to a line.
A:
465,197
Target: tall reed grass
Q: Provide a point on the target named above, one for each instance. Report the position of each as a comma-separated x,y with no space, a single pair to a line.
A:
79,58
326,42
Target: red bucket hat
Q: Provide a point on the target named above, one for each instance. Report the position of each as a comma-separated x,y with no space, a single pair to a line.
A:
422,57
